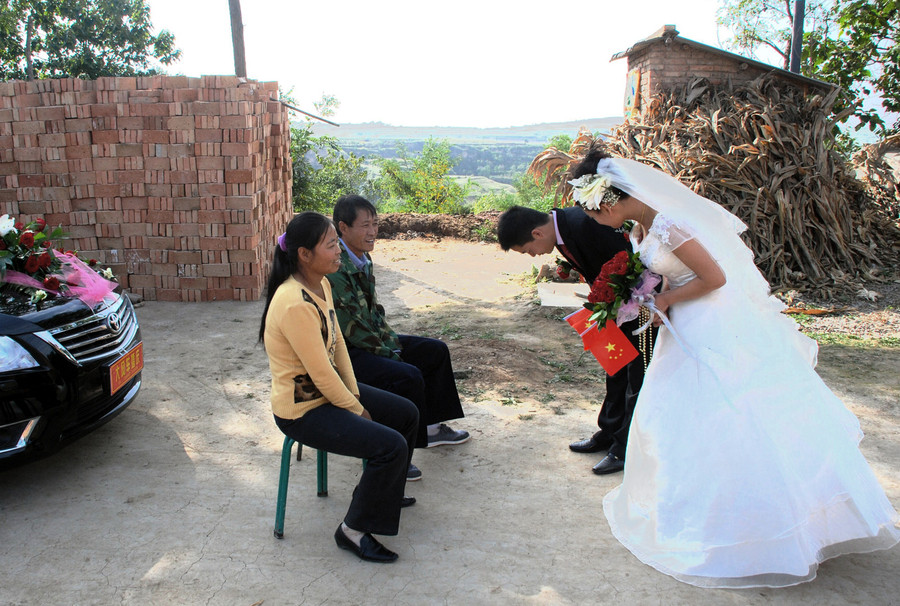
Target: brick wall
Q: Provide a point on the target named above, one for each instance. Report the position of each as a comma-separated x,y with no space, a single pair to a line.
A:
180,185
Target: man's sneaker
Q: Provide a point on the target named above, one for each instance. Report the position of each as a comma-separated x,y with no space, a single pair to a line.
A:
413,473
447,435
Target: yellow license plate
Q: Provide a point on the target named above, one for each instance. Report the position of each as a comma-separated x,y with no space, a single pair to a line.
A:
124,369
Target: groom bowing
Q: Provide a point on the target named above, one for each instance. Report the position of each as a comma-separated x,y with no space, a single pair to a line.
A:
587,245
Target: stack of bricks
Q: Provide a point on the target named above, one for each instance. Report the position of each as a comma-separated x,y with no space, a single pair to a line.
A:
180,185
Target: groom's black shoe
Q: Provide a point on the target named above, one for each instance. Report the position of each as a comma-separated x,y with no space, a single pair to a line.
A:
595,443
369,548
610,464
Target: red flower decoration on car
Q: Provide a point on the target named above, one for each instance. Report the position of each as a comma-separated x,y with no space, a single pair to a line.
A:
92,262
32,264
51,283
26,239
45,259
40,224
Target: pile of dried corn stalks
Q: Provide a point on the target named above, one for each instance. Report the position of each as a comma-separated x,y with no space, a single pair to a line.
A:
763,152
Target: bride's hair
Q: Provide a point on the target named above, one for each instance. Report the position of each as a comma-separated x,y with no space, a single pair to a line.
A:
588,166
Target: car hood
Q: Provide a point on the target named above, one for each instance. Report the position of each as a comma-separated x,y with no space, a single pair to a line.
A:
11,325
18,315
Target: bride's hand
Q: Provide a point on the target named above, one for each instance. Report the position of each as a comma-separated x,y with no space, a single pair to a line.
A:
662,304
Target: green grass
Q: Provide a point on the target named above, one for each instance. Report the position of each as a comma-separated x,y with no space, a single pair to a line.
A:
451,332
509,400
802,319
829,338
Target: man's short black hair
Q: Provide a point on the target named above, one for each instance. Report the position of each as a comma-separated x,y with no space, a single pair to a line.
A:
515,226
347,209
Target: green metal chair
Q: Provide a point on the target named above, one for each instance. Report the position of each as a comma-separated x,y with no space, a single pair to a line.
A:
321,479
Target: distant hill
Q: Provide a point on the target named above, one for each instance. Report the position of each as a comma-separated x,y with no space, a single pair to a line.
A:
533,134
488,154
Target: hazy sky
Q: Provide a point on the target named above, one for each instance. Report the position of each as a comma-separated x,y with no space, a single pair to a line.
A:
423,63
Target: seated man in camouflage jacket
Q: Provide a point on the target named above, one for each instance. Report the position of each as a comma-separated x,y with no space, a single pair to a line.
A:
417,368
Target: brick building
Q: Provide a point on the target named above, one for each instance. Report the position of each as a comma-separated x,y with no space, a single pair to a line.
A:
666,61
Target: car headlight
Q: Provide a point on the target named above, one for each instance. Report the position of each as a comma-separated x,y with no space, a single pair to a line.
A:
14,357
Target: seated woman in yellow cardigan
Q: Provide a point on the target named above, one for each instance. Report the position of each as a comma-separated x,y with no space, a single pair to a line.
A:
315,397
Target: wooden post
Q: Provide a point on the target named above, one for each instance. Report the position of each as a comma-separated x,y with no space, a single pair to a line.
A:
797,35
237,39
29,30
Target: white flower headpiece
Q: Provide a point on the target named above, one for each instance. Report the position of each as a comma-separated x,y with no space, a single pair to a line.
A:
593,190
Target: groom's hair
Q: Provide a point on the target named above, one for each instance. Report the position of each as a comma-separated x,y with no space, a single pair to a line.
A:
515,225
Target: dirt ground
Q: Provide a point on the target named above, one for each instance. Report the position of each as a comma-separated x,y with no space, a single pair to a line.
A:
173,502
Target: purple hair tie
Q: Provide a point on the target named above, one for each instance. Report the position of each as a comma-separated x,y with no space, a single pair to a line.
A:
281,243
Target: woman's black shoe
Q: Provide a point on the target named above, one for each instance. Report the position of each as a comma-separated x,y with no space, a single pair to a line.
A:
369,548
407,501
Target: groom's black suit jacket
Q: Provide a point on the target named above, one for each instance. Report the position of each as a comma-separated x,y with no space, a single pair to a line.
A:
590,245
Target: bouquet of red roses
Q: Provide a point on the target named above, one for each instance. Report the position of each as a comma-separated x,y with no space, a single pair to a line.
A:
620,279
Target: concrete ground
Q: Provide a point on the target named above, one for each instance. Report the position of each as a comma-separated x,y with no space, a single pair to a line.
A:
173,502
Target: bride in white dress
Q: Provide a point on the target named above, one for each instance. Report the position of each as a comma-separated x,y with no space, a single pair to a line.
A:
743,468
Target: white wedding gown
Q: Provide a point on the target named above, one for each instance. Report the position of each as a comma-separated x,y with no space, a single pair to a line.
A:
743,468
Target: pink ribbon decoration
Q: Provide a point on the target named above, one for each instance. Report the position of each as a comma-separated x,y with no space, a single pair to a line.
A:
645,286
79,280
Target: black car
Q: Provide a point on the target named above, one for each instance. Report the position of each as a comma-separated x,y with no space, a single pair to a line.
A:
65,369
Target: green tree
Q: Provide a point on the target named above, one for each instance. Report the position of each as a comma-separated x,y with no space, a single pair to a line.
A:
561,142
758,25
81,39
421,183
851,43
322,171
863,57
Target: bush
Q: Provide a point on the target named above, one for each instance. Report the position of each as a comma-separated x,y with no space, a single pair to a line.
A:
420,183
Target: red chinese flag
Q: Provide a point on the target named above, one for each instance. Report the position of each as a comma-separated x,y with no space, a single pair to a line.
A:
579,320
610,346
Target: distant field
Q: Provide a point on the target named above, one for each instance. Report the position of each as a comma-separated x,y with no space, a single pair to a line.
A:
533,134
491,157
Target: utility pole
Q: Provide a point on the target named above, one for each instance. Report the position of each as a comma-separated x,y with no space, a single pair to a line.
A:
237,39
797,35
29,30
